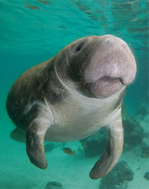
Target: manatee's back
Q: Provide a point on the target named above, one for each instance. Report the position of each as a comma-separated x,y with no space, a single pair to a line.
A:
22,92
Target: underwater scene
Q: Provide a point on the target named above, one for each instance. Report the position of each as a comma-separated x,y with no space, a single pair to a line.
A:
74,100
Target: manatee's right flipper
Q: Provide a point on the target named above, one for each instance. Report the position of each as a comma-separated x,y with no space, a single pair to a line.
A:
35,135
112,152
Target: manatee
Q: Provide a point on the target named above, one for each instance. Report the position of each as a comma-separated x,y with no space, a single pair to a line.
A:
72,96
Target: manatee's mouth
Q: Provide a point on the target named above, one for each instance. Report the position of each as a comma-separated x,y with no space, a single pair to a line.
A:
106,86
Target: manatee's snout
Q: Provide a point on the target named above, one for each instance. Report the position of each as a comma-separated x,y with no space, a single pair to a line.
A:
102,65
108,64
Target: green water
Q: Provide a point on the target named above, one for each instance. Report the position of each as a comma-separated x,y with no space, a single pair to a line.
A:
33,31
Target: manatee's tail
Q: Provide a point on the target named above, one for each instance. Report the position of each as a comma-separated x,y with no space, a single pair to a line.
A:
112,152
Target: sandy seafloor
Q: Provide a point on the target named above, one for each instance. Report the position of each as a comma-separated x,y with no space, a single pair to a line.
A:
71,171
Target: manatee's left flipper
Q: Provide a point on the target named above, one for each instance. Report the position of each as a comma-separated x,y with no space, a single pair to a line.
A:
112,152
35,135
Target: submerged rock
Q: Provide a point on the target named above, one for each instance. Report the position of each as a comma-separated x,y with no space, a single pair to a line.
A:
54,185
145,150
49,147
142,111
133,134
118,178
95,144
145,146
146,176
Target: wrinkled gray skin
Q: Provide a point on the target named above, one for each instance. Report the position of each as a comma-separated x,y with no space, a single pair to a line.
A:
72,95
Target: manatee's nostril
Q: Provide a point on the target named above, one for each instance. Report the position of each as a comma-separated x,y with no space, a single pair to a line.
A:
110,40
79,47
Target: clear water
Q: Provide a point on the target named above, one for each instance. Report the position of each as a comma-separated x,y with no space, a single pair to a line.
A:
33,31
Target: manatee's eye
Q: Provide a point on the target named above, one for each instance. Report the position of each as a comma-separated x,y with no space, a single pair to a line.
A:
79,47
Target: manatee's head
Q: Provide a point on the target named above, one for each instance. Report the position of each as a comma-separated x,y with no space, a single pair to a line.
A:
98,65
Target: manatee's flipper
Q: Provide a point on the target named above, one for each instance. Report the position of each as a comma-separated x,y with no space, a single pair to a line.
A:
112,152
35,136
35,146
18,135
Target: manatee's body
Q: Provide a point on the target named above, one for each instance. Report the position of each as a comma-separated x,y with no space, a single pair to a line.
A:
72,96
